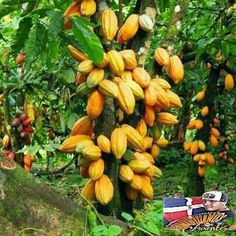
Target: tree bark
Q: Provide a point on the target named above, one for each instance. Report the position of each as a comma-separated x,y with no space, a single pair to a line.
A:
33,208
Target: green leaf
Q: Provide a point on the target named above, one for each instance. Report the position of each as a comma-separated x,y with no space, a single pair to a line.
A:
36,43
87,39
114,230
5,10
30,150
68,76
127,216
55,25
22,33
16,2
151,227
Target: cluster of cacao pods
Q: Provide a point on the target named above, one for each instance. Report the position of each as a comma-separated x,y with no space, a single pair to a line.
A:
119,77
22,124
223,154
79,8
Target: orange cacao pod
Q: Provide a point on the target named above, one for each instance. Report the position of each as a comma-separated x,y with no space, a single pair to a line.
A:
92,152
126,174
146,189
213,140
205,111
88,190
86,66
116,62
78,55
104,143
141,76
149,116
210,160
161,56
88,7
136,183
95,105
155,151
96,169
142,127
136,89
81,126
229,82
108,88
131,193
129,59
95,77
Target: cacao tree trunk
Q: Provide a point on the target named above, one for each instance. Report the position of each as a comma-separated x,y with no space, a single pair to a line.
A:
195,186
29,207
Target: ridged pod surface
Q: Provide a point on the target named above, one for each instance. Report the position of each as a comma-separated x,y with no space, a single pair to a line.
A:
129,58
86,66
116,62
145,23
118,143
161,56
136,183
126,174
174,99
149,116
129,29
104,190
95,77
108,88
166,118
91,152
142,127
96,169
104,143
147,189
133,136
70,143
78,55
136,89
81,126
175,69
138,166
109,24
141,76
126,98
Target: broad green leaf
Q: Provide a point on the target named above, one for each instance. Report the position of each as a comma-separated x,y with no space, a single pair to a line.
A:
36,43
55,25
127,216
151,227
68,76
22,33
87,40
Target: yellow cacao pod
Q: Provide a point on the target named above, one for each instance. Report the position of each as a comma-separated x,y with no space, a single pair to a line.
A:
104,143
158,172
81,126
88,190
148,157
201,145
147,143
142,127
5,141
95,105
108,88
127,76
197,157
210,160
191,125
175,69
95,77
126,174
138,166
166,118
204,111
174,99
162,142
116,62
86,66
126,98
150,95
133,136
91,152
118,143
82,144
131,193
136,183
70,143
129,58
88,7
96,169
162,57
76,54
104,190
145,23
129,29
120,115
229,82
162,83
109,24
147,189
136,89
187,146
141,76
162,99
155,151
30,110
